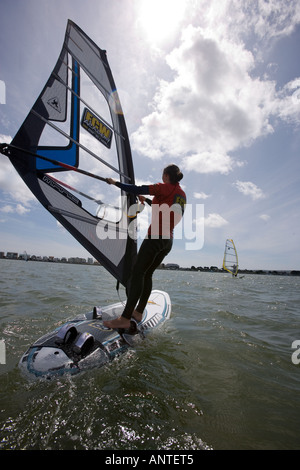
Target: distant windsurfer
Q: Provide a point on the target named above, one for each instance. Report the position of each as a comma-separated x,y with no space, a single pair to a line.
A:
167,210
234,271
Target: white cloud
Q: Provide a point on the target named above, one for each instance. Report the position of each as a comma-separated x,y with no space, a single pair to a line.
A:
249,189
264,217
5,138
11,209
288,102
211,107
7,209
274,18
21,210
201,195
12,183
214,104
215,221
262,19
209,162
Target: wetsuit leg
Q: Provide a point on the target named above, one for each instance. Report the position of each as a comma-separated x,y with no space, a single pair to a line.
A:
151,254
148,276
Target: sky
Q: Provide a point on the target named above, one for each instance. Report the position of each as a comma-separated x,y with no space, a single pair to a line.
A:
211,86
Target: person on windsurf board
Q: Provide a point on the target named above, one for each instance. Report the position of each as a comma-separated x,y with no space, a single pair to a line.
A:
167,210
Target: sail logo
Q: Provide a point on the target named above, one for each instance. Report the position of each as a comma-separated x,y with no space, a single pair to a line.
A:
96,128
55,104
46,179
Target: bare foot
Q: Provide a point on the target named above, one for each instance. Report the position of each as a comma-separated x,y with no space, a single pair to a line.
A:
137,316
120,322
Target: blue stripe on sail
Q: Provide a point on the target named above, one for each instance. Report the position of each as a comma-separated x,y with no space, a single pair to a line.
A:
67,154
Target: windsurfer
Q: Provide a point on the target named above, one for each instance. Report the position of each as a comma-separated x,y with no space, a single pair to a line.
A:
167,210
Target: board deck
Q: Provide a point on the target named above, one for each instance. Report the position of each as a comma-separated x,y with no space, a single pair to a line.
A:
84,342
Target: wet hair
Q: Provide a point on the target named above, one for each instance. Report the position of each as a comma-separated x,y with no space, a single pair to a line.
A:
174,173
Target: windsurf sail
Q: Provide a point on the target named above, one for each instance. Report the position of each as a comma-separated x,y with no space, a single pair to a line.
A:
230,260
77,128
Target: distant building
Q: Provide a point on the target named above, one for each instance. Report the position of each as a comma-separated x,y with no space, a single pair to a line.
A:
171,266
11,255
77,260
24,256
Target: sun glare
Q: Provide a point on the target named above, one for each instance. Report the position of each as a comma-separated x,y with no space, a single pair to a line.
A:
159,19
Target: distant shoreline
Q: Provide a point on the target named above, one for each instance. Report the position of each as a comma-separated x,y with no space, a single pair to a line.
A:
212,269
52,259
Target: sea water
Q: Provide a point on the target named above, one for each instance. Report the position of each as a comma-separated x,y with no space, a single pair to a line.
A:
222,373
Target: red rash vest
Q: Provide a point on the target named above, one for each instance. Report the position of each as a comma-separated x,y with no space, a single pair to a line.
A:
167,209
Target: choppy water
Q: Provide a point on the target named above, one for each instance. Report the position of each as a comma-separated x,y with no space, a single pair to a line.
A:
218,375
